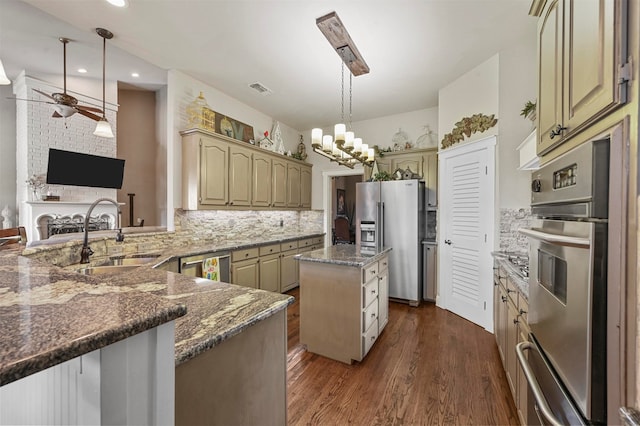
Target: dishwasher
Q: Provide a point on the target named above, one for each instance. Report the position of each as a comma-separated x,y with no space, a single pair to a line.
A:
192,265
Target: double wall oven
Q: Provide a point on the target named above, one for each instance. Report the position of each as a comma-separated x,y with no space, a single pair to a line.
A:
565,360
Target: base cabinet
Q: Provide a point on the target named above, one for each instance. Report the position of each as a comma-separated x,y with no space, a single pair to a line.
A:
341,307
270,272
245,268
99,387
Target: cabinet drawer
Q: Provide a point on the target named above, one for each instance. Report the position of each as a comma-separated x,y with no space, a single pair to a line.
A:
383,264
270,249
370,292
369,316
512,291
370,271
307,242
244,254
289,246
369,338
523,308
317,240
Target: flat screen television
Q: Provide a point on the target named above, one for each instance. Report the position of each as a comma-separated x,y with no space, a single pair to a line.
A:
78,169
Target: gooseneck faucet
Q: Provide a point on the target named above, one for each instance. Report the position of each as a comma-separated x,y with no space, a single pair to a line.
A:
86,250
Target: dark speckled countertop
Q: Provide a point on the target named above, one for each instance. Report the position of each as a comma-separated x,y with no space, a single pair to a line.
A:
522,283
49,315
343,254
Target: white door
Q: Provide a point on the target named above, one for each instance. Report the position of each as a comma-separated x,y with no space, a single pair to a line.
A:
467,179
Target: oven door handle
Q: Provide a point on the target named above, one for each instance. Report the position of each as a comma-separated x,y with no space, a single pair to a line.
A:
562,240
533,383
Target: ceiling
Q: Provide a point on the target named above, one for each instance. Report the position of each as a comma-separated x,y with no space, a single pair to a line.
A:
413,47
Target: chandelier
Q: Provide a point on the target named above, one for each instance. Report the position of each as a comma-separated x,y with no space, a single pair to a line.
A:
342,147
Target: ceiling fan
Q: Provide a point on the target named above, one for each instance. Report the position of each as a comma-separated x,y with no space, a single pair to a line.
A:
66,105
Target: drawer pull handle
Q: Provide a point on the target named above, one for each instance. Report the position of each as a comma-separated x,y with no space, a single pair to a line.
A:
373,315
504,298
510,291
522,311
373,292
373,338
515,321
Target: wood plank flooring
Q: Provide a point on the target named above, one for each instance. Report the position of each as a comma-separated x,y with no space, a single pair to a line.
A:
428,366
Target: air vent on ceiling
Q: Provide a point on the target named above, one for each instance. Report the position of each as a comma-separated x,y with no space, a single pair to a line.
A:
260,88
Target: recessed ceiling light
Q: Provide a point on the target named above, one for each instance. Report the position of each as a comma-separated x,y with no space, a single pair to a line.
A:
135,74
82,70
118,3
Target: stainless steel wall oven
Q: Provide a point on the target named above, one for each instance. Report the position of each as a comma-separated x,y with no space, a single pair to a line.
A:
566,363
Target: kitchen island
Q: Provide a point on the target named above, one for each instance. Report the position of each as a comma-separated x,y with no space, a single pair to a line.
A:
229,349
344,300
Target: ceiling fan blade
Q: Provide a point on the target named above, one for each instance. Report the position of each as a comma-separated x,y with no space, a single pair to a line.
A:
56,115
88,114
88,108
44,94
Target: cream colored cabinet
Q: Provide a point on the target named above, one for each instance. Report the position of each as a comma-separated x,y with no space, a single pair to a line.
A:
582,73
431,178
383,294
305,186
240,172
279,183
340,308
288,270
408,160
521,403
293,185
511,340
261,185
245,267
270,273
221,172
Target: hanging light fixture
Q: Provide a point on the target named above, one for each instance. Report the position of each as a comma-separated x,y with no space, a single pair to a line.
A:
343,147
3,76
103,128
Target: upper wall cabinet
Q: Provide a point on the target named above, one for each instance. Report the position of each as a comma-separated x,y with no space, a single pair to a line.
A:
219,172
423,162
582,68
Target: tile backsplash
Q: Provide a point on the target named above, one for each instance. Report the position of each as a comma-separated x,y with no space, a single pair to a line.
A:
510,221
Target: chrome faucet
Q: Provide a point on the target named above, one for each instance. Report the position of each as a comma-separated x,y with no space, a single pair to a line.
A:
86,250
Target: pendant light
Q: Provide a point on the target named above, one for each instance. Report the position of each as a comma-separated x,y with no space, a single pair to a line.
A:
103,128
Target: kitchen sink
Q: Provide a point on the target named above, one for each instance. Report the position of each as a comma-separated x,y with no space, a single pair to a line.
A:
107,270
127,261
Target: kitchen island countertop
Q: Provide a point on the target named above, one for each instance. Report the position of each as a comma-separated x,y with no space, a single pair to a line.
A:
50,315
343,254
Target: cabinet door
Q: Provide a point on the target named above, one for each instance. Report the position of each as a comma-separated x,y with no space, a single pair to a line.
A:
293,185
239,176
270,273
288,270
245,273
549,109
521,401
431,178
414,162
214,169
305,186
511,340
501,323
590,59
383,299
279,183
261,187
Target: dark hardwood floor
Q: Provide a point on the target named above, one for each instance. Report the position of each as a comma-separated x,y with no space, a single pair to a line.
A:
428,366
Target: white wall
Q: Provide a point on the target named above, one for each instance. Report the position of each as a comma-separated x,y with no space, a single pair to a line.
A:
377,131
518,83
8,154
473,93
182,90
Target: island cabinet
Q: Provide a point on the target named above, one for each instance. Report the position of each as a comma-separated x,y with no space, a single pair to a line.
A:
582,70
219,172
343,308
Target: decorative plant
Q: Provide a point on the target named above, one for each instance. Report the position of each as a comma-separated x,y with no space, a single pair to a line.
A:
383,175
380,151
467,126
529,110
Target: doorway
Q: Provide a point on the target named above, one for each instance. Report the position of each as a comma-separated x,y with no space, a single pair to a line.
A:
332,181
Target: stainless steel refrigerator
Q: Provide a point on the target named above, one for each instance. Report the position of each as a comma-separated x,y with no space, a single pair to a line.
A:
391,214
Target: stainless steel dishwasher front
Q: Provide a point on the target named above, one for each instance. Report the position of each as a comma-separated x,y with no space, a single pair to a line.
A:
192,265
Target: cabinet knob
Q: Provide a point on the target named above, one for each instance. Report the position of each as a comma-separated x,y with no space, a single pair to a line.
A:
373,271
373,338
373,292
373,315
448,242
231,203
557,131
522,311
515,321
246,255
504,298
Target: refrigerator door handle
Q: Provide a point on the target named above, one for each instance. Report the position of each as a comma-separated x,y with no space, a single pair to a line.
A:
380,226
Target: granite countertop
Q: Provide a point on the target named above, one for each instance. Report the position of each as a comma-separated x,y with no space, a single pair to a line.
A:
342,254
521,283
48,314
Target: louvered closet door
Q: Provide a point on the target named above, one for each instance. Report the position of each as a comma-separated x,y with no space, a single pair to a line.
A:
467,224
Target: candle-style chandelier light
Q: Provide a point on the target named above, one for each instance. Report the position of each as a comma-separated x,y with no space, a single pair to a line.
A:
343,147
